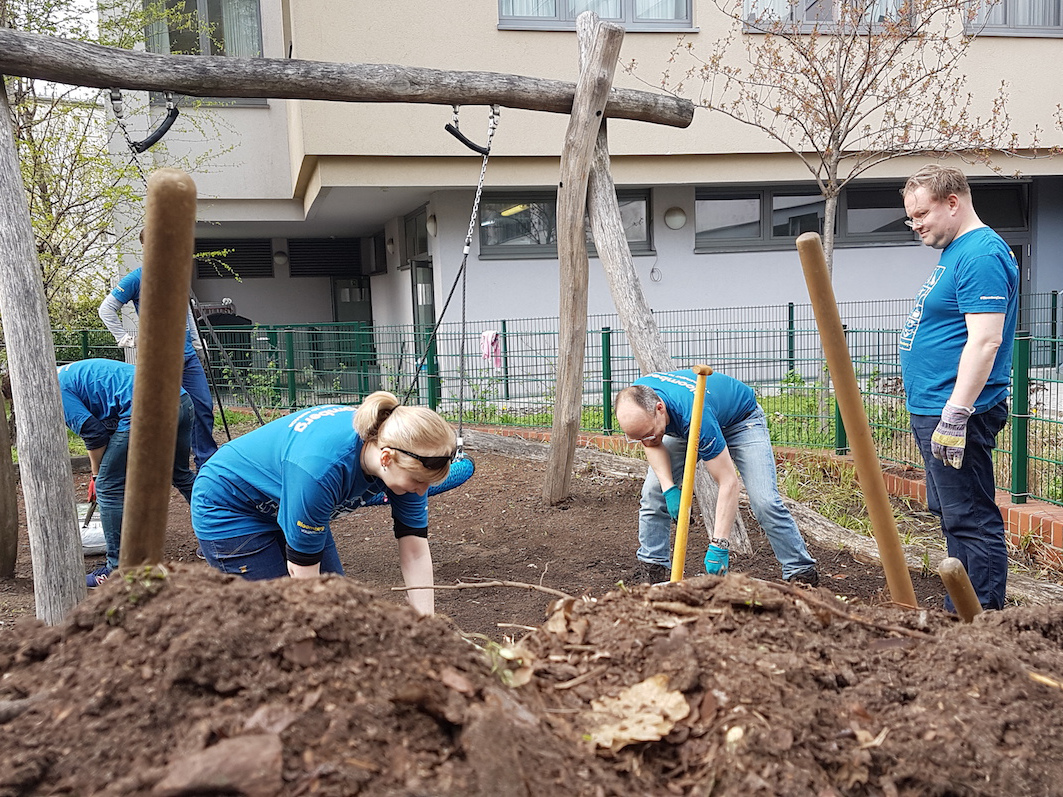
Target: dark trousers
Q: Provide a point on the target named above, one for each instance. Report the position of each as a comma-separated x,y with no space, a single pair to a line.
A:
965,502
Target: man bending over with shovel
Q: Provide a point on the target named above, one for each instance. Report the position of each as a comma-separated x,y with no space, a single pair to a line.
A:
656,411
98,405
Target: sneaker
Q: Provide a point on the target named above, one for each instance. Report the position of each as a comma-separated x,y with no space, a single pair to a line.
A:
199,552
97,577
810,577
649,573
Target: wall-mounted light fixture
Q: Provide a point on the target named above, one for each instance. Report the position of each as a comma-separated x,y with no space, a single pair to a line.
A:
390,246
280,258
432,225
675,218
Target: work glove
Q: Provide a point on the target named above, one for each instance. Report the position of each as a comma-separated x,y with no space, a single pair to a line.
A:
201,353
950,437
717,558
127,341
92,488
672,496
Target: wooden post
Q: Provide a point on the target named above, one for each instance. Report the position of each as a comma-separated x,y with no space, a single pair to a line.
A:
44,459
592,91
958,584
82,64
169,241
847,392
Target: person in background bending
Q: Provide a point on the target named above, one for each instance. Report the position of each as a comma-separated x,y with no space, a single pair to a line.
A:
97,400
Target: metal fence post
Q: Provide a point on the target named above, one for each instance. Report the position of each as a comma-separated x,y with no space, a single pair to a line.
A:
607,381
1053,331
1020,418
289,365
84,344
505,363
841,439
791,339
432,376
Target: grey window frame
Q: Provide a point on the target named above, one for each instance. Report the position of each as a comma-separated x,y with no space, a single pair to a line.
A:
565,19
549,251
766,240
798,23
981,27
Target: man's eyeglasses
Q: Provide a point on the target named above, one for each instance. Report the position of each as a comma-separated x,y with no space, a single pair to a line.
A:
431,463
918,221
648,438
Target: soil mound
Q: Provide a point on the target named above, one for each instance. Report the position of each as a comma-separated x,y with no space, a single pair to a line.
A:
192,682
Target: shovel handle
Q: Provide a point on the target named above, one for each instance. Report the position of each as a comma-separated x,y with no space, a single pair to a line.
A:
686,496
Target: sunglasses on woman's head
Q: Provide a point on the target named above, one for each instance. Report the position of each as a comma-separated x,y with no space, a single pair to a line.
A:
431,463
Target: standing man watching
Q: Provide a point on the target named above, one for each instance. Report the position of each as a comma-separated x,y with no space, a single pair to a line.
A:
193,380
955,352
656,411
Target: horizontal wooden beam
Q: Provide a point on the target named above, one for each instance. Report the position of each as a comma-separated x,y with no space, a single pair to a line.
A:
83,64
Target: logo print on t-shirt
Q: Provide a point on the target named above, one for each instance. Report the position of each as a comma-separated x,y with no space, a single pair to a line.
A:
911,325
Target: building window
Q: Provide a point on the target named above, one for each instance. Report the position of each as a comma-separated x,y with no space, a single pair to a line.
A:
205,27
761,15
525,225
1019,18
771,218
634,15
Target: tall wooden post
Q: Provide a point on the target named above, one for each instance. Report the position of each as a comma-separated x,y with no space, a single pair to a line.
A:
588,108
169,241
44,459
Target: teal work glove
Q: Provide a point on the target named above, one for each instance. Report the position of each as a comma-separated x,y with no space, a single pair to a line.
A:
672,496
950,438
717,559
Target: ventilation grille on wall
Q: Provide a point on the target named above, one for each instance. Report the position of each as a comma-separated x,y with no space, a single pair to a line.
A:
226,258
324,257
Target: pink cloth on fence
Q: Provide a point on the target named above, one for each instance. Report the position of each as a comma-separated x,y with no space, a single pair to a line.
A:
491,346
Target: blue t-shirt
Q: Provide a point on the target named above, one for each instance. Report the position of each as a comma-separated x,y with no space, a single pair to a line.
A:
97,397
977,273
128,290
727,401
303,469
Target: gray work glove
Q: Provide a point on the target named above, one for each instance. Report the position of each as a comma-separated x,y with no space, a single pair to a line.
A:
950,437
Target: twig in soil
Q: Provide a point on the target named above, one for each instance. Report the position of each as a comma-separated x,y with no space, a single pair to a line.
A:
582,679
806,596
518,584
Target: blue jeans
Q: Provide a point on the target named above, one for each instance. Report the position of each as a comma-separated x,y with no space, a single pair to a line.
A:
194,381
965,502
110,481
258,551
749,444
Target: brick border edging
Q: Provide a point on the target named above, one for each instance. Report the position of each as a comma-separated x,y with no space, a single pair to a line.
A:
1035,527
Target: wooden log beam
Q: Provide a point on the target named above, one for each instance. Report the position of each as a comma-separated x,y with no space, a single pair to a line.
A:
47,481
82,64
596,78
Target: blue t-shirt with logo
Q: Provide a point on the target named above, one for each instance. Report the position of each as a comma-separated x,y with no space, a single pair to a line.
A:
128,290
304,470
977,273
727,401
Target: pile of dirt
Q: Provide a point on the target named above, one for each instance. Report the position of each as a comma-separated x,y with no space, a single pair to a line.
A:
192,682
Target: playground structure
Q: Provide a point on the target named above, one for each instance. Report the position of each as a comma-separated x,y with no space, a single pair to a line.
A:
45,465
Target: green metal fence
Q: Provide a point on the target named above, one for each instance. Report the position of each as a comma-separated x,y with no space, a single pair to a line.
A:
504,372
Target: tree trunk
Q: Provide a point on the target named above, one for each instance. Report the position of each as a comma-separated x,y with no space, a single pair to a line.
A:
592,90
44,460
82,64
8,500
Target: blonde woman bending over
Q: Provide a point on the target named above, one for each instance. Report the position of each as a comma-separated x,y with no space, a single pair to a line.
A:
262,505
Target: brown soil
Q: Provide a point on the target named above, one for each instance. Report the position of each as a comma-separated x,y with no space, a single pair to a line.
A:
197,683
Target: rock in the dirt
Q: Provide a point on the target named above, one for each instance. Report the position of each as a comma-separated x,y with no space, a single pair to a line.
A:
247,765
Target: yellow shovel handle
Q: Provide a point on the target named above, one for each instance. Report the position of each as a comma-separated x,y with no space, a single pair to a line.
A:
679,553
